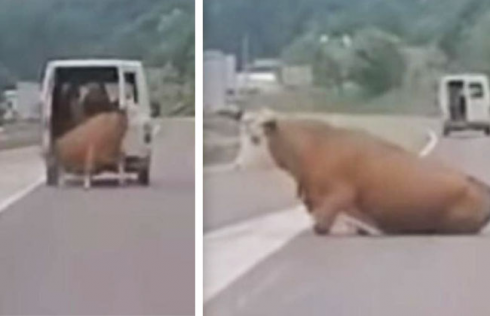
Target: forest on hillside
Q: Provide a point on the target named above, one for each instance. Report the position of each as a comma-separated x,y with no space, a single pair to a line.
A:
372,43
159,32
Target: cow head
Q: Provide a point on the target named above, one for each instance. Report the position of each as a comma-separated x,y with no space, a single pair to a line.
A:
257,125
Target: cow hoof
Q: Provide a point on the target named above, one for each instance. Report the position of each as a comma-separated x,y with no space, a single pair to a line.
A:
319,230
86,185
362,232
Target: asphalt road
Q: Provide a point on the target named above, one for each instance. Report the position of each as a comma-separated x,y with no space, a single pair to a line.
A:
233,196
111,250
20,135
351,276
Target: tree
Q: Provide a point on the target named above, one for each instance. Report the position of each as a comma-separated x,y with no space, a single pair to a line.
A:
31,35
6,78
379,64
474,51
303,50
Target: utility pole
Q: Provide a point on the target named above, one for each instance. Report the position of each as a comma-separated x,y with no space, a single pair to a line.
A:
245,59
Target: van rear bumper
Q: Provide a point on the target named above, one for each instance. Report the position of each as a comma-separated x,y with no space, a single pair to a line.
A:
131,164
464,125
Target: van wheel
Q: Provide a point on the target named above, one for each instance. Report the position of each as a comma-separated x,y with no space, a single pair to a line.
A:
52,170
52,176
144,176
445,131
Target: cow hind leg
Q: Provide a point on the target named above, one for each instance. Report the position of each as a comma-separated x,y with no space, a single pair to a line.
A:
88,168
466,217
121,170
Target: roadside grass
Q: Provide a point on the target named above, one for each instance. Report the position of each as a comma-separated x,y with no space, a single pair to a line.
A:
409,132
400,102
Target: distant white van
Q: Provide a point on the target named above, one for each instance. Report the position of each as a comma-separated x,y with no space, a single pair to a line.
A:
465,102
125,83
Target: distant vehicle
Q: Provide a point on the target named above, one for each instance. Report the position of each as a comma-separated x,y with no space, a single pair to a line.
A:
9,107
125,83
465,102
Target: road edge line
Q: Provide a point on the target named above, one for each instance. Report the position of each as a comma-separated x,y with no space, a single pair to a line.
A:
282,234
431,144
17,196
226,167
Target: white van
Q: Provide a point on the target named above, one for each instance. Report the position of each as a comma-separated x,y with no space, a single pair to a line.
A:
125,84
465,102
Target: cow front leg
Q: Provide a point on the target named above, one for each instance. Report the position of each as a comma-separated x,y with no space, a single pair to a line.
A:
326,211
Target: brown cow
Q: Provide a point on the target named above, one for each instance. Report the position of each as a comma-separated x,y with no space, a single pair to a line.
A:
94,145
97,100
345,171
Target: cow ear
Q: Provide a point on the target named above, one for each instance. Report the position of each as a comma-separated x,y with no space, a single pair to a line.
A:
270,125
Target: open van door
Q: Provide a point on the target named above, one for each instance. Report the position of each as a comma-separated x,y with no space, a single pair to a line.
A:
465,102
477,100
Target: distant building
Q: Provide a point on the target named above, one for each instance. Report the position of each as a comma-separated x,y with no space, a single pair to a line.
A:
296,76
219,79
231,76
260,76
28,100
265,65
23,103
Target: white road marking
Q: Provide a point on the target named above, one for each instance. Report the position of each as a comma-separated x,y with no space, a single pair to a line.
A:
20,194
232,251
254,239
22,171
431,144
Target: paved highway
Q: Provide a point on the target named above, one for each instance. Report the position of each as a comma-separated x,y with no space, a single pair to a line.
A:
305,274
233,196
110,250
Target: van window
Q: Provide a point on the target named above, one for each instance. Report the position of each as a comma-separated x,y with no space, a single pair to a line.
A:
476,90
82,78
130,81
81,92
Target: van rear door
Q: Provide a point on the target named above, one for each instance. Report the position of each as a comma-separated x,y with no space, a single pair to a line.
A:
133,142
477,100
46,100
